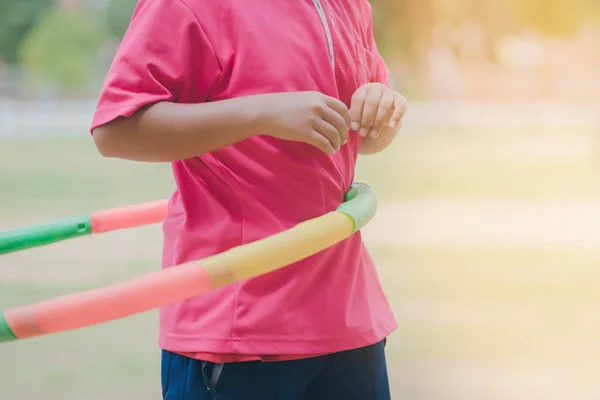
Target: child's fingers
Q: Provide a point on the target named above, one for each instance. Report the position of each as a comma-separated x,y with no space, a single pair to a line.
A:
330,132
341,109
399,110
356,107
369,111
317,139
339,119
383,114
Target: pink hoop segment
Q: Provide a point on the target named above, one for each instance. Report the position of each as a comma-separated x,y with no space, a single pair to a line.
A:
129,217
110,302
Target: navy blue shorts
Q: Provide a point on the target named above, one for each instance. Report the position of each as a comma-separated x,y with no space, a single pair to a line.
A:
359,374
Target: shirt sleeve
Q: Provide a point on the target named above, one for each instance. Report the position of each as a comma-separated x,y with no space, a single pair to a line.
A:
164,56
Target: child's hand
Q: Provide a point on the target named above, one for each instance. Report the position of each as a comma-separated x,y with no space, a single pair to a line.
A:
375,107
308,117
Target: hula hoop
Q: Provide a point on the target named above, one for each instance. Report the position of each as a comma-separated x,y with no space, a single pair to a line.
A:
83,225
171,285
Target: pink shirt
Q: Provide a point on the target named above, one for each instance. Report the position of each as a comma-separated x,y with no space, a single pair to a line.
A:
194,51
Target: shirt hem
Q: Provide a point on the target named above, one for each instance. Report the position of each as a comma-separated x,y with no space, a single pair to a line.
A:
297,347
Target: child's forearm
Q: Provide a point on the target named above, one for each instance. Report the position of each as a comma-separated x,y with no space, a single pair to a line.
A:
370,145
165,132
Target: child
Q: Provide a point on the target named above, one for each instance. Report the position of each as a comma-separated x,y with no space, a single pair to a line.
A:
261,107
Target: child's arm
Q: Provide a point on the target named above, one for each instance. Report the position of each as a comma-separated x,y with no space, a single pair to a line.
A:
165,131
371,145
165,62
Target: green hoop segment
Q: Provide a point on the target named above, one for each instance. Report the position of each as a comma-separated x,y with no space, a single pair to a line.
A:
6,334
360,204
43,234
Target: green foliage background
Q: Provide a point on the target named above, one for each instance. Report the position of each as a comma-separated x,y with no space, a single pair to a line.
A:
118,15
61,48
17,18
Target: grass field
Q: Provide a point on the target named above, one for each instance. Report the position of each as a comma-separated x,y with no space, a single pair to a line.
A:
487,244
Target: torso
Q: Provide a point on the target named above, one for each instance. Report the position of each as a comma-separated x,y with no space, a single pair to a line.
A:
262,186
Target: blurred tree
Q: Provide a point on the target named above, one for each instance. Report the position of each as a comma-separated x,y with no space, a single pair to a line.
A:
62,48
118,15
407,25
403,25
403,30
17,17
555,17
